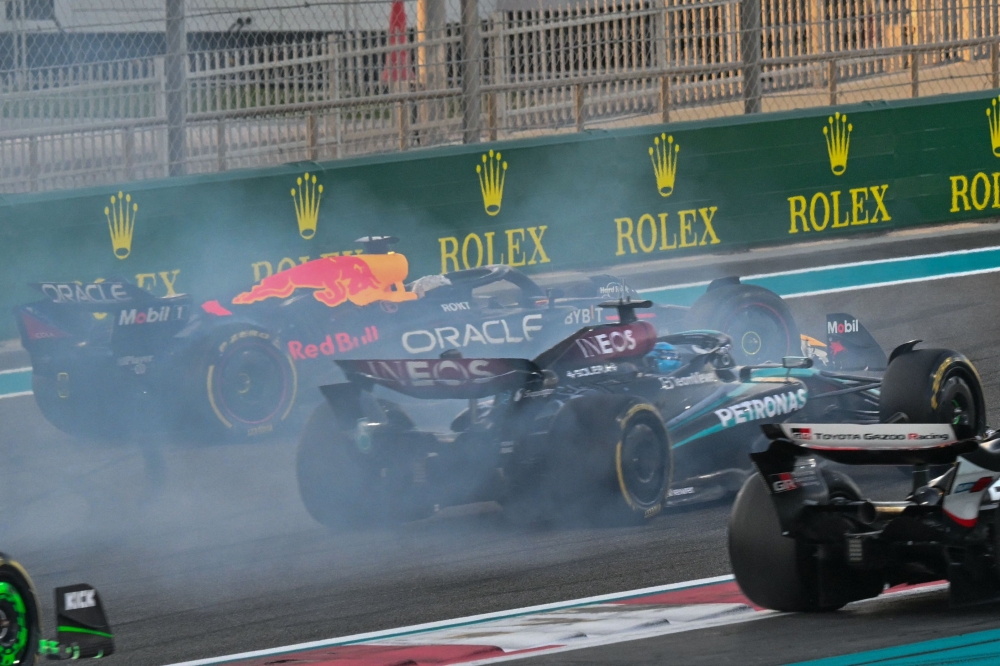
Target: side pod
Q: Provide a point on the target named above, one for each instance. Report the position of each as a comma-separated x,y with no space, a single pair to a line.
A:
82,628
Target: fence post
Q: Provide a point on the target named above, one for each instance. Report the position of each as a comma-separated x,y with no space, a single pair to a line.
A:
660,44
995,63
175,65
491,115
833,72
403,111
33,163
221,142
499,69
915,75
665,99
338,113
578,106
431,65
750,36
312,137
472,70
128,147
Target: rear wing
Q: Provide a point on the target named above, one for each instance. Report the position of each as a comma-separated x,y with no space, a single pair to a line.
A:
444,378
870,444
72,310
96,296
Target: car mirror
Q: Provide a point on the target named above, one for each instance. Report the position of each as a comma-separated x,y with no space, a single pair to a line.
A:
791,362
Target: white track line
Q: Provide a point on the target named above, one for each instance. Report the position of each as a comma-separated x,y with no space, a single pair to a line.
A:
891,283
15,370
16,395
853,264
529,610
447,624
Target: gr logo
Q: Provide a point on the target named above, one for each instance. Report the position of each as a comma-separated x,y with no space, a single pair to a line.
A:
79,599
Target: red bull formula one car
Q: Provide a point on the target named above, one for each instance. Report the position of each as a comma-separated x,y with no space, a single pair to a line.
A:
109,357
82,629
614,422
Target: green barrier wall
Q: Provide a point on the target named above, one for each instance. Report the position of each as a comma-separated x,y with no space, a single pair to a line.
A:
598,198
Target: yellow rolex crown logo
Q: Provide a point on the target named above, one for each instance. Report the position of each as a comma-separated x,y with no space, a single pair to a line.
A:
492,172
663,153
307,201
994,120
121,223
838,142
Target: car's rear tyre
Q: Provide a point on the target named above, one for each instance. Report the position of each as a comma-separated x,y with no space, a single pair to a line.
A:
244,384
19,625
759,322
778,572
607,461
345,480
934,386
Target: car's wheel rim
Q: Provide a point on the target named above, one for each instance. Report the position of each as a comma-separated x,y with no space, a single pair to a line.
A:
957,405
251,383
14,625
759,333
643,464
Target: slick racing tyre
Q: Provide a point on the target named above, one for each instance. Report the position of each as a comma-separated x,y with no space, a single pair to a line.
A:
19,625
780,573
347,480
244,384
608,460
759,322
934,386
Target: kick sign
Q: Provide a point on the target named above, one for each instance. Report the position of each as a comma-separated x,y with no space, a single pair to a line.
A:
79,599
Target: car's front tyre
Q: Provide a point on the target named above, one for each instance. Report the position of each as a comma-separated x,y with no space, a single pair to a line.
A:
19,625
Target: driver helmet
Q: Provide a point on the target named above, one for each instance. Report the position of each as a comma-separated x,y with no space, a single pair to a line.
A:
664,358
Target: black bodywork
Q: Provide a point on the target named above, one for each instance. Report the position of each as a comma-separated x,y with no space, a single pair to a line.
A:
555,434
849,547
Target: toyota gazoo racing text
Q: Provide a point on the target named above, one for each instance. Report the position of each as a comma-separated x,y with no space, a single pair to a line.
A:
802,535
109,357
614,422
82,630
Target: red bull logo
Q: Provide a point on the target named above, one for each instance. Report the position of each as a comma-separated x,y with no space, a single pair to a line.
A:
359,279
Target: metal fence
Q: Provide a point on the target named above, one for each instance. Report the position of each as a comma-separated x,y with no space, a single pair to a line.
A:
101,91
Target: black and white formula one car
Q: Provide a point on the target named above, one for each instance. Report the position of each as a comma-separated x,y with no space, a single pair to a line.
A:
82,629
803,537
612,423
109,358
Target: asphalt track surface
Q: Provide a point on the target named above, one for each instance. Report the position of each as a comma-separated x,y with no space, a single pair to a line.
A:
205,550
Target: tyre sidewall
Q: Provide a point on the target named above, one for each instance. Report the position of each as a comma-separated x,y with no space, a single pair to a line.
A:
347,484
715,308
583,474
205,377
915,382
13,573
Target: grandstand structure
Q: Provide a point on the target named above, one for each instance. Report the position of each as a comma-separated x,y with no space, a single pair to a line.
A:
103,91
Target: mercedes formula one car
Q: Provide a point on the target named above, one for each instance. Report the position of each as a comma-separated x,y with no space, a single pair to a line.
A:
614,422
803,537
110,357
82,629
